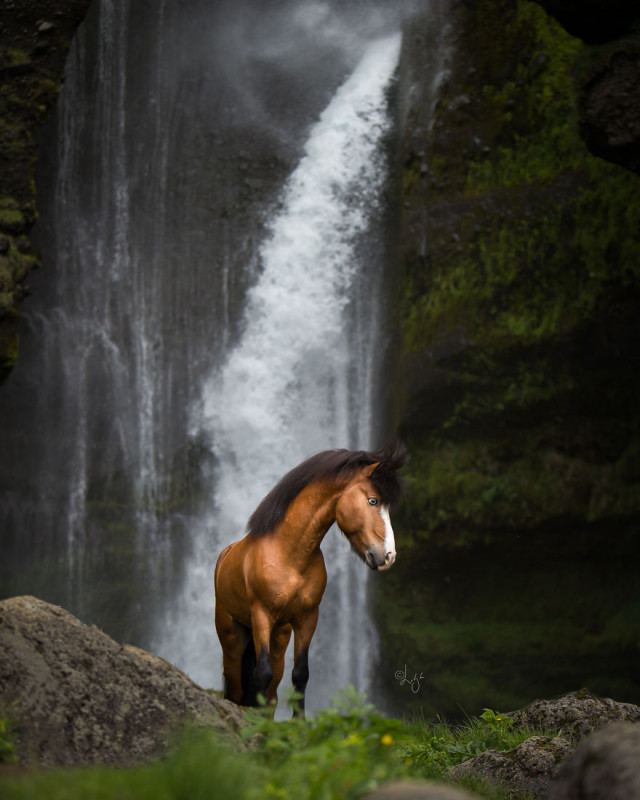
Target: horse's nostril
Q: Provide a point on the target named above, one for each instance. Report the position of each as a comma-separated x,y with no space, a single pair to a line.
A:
373,559
389,559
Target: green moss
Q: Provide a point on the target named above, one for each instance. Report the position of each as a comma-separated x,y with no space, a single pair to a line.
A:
11,220
526,261
543,248
17,56
542,136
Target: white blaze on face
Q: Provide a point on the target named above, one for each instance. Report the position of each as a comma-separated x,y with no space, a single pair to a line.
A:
389,541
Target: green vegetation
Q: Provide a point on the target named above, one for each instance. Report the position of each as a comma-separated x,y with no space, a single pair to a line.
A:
344,751
439,747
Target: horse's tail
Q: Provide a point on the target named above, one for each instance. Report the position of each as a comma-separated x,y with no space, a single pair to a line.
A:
249,661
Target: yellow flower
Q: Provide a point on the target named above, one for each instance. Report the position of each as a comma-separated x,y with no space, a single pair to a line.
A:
386,739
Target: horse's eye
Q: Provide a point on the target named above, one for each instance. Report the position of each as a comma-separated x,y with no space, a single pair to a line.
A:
373,501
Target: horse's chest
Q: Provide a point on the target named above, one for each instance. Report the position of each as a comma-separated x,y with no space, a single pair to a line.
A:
285,592
294,600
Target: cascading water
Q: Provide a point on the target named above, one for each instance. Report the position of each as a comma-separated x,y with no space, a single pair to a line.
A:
196,329
304,376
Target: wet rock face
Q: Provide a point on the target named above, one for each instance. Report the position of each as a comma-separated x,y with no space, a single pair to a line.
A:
81,698
34,40
603,767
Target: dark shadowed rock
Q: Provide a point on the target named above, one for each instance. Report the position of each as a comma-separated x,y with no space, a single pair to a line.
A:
608,89
609,106
81,698
605,766
595,21
577,714
417,790
527,768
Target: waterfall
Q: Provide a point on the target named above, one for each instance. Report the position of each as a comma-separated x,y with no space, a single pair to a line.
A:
305,372
210,310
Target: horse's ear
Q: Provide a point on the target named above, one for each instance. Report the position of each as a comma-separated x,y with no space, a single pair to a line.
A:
370,469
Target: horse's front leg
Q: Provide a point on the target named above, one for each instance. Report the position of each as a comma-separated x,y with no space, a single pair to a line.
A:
280,637
303,630
262,625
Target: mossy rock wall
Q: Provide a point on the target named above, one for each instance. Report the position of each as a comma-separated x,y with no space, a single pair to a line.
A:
520,381
34,39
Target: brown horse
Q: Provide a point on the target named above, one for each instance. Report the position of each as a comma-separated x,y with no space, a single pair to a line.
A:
270,583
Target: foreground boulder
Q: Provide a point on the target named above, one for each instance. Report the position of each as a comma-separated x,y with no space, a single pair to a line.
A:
528,768
548,767
577,714
605,766
81,698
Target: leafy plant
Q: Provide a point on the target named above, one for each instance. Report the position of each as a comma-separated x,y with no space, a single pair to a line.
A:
343,751
443,746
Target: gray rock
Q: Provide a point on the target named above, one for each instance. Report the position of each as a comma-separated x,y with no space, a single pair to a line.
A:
527,768
81,698
605,766
419,790
577,714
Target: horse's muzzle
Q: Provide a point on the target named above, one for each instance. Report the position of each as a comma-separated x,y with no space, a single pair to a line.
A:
375,561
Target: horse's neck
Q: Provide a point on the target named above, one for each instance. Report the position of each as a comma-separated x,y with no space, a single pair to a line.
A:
311,514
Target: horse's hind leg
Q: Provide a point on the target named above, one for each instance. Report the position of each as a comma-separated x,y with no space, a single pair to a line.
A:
248,673
234,639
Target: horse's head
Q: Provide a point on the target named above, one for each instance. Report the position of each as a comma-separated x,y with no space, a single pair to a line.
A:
363,516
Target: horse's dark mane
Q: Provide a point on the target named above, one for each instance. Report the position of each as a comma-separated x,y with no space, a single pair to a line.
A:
328,465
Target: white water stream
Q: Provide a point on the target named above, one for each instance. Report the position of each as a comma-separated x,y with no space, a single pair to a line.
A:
304,376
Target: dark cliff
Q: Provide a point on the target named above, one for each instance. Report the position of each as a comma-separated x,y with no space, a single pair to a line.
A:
34,40
520,301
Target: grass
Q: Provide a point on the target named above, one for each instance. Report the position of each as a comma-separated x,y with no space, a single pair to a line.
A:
344,751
